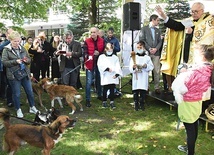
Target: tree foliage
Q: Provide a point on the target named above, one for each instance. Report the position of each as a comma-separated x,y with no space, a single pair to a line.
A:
19,10
99,13
178,10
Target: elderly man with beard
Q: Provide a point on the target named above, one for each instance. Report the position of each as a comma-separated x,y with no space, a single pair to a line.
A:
179,41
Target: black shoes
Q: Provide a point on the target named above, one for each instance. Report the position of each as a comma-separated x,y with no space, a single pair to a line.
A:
105,104
142,107
137,107
88,104
10,104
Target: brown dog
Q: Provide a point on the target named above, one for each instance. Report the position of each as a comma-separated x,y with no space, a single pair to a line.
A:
68,92
39,136
37,89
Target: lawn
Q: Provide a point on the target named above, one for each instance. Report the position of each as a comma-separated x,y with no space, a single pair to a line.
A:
121,131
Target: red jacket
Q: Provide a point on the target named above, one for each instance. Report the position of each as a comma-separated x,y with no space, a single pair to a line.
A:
90,48
198,83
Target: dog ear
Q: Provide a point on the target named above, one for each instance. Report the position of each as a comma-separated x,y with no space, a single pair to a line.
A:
55,128
4,114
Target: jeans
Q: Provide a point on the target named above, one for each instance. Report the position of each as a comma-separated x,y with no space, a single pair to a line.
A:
90,74
16,91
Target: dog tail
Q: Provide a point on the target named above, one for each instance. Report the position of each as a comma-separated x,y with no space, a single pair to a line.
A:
78,98
5,117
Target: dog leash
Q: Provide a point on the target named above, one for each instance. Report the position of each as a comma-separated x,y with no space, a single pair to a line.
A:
75,68
22,119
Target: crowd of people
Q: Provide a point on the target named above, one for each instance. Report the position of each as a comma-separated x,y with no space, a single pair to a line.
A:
61,54
103,70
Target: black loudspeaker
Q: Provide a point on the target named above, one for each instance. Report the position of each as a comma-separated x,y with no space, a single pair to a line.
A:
131,16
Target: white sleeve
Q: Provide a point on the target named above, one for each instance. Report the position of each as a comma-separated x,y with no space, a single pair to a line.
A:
166,20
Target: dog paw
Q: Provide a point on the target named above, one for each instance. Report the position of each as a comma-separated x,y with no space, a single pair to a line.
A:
81,109
71,113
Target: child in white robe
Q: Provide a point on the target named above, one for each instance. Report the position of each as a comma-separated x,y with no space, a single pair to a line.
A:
140,66
110,71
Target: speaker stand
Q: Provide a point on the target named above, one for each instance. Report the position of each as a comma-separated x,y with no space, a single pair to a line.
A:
132,40
130,81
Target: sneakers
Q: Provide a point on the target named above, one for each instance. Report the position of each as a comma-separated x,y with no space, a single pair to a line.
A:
19,113
112,105
33,110
183,148
104,104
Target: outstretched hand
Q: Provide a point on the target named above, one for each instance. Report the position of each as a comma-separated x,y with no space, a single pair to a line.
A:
160,11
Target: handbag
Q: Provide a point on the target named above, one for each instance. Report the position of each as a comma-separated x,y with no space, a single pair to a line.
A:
19,73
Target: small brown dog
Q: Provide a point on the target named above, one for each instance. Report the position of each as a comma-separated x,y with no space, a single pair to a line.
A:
39,136
68,92
38,90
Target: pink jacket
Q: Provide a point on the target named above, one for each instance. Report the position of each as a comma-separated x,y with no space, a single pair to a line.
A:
198,82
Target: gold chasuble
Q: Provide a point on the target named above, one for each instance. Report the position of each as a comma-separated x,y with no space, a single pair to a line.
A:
171,52
174,40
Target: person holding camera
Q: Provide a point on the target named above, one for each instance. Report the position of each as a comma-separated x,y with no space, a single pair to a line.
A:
15,58
40,51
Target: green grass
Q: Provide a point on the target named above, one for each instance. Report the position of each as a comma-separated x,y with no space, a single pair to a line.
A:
122,131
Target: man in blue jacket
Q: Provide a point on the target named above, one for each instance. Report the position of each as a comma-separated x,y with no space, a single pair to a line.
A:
113,40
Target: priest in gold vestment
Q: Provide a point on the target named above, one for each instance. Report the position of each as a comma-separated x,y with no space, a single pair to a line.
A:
179,40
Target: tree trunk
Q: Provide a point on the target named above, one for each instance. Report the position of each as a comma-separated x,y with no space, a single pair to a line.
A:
93,13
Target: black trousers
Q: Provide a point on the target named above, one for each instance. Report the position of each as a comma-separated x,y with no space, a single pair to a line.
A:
192,134
139,96
110,87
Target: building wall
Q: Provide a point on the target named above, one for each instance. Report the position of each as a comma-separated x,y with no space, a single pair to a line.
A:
57,22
